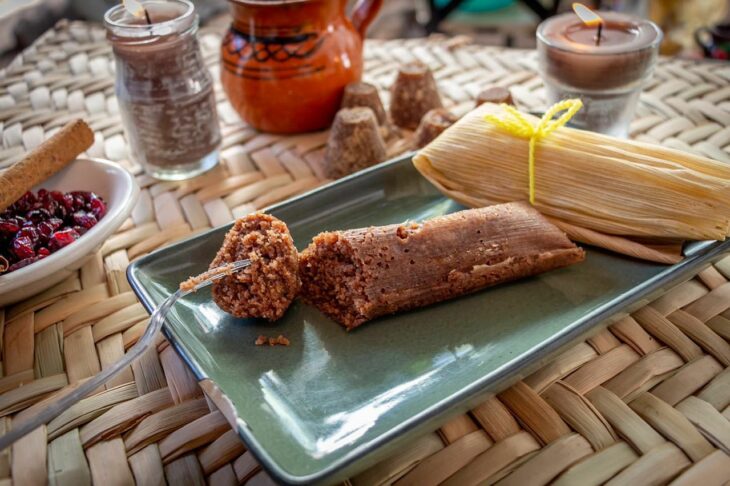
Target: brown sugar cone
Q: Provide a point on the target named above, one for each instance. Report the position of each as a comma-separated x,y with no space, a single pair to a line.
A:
357,275
365,95
432,124
354,143
44,161
413,95
495,94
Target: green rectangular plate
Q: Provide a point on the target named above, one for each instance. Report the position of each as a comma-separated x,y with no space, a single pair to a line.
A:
334,402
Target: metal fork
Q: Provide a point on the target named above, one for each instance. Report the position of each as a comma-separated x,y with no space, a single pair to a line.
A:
73,395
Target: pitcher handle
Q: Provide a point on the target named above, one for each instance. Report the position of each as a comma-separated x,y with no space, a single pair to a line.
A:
364,13
706,45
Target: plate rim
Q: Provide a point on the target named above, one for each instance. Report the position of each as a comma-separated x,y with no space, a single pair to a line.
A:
703,253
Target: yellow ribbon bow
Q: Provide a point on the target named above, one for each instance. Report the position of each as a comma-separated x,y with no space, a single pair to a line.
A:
518,125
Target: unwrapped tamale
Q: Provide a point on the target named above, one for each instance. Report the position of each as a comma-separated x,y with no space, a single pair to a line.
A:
356,275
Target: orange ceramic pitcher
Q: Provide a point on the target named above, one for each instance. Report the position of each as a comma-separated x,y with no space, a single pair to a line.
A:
286,63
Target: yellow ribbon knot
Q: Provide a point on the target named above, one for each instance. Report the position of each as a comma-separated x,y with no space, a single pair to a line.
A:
515,123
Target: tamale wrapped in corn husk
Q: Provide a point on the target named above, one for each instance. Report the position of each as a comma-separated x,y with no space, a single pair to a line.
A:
592,183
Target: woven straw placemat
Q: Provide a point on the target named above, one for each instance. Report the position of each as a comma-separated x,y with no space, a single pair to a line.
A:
642,402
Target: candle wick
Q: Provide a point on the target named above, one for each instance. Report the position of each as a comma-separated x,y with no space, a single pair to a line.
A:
598,34
149,20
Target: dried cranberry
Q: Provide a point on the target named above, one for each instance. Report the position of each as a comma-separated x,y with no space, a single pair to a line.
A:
50,205
23,263
61,212
8,227
23,247
98,207
79,203
62,238
81,199
85,220
29,232
68,202
25,202
47,227
37,225
82,194
38,215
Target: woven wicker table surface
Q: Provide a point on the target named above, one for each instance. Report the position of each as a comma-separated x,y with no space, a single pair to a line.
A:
645,401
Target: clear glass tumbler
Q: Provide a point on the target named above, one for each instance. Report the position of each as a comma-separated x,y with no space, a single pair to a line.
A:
607,75
164,90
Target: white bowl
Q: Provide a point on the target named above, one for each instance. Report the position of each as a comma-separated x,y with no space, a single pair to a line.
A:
118,189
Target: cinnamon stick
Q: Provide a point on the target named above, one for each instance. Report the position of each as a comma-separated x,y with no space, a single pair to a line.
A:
44,161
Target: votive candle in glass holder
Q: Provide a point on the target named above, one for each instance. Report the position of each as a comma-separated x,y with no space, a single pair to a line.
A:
164,90
608,75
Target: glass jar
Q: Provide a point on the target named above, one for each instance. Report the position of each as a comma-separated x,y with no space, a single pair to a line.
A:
164,90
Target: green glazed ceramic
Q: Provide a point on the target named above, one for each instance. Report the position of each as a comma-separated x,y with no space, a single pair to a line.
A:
334,402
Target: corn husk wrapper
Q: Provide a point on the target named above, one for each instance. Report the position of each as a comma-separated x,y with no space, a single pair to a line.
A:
631,197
